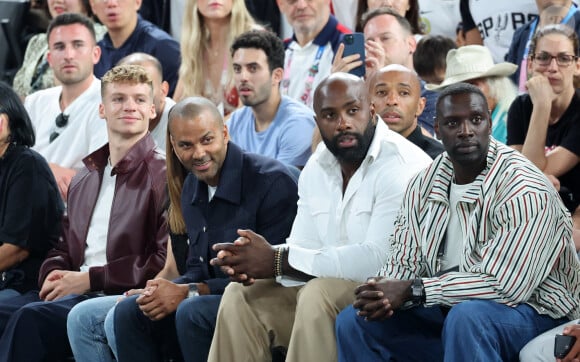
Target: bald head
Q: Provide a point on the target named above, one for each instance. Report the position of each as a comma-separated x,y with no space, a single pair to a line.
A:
387,72
199,138
345,117
192,107
395,92
142,59
339,83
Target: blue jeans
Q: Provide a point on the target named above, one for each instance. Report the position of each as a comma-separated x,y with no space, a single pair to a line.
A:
475,330
86,329
8,293
140,339
195,323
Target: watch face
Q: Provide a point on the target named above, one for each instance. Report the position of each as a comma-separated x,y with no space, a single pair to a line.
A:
192,290
417,291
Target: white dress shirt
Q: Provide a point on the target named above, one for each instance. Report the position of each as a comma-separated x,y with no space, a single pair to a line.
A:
345,236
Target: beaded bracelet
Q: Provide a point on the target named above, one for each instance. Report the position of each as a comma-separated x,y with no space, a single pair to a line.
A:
278,261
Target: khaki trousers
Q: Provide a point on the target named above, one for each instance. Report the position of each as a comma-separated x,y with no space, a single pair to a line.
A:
251,320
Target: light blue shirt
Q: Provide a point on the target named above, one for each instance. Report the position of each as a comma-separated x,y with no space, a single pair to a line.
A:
288,138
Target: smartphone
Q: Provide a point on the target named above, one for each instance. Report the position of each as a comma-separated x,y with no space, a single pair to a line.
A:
563,345
355,44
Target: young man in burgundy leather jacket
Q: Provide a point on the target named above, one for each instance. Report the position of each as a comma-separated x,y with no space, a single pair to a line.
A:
114,234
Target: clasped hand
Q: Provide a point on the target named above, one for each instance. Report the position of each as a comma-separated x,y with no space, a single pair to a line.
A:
379,297
161,297
248,258
60,283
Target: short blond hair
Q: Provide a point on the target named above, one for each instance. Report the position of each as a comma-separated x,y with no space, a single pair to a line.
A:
126,73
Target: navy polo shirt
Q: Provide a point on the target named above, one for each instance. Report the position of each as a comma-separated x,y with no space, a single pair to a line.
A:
254,192
146,38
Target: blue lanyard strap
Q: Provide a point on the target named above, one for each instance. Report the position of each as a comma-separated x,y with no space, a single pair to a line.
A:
573,9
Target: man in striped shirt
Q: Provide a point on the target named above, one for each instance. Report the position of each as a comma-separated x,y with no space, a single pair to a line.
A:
482,258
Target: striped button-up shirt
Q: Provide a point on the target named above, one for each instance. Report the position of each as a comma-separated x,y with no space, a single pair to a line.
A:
517,245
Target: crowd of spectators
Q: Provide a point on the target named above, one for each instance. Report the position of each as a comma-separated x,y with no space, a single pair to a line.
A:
205,180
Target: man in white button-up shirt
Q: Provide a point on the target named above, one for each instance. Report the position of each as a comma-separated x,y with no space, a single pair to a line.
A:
349,194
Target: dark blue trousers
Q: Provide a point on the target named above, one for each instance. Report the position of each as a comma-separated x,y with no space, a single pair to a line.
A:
34,330
140,339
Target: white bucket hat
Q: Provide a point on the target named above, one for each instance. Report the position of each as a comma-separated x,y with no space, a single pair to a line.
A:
471,62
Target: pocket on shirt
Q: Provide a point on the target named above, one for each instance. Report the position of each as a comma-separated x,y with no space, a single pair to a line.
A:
363,209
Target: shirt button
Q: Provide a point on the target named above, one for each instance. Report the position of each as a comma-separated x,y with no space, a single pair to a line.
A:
201,259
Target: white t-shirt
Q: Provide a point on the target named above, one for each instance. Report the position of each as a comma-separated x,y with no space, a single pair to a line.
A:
345,12
301,59
440,17
159,133
84,133
96,251
455,235
211,192
497,21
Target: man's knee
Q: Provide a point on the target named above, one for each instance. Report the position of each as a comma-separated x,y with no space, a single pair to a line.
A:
346,322
469,313
78,318
127,309
190,310
30,313
234,294
325,294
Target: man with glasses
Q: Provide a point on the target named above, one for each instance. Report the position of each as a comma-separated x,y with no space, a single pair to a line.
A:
66,117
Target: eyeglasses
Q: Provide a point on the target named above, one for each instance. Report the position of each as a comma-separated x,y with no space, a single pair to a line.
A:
545,59
61,120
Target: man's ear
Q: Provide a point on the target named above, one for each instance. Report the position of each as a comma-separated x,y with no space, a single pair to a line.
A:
412,43
49,58
96,54
436,128
102,111
277,75
165,88
420,106
226,133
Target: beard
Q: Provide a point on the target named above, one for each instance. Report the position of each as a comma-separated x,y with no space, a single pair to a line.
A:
352,154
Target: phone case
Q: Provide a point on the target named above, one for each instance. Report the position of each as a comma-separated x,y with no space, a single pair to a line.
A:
355,44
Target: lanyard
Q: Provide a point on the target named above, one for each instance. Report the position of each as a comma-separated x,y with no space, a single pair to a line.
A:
571,13
312,71
524,63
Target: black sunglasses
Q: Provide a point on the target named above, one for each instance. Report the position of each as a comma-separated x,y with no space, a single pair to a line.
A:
61,120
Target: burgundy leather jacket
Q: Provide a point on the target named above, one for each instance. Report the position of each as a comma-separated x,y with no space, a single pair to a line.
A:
137,237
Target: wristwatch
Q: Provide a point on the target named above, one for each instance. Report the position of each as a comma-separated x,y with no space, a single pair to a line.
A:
193,292
417,292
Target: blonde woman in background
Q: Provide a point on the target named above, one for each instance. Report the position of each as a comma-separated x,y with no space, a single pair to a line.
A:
209,28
